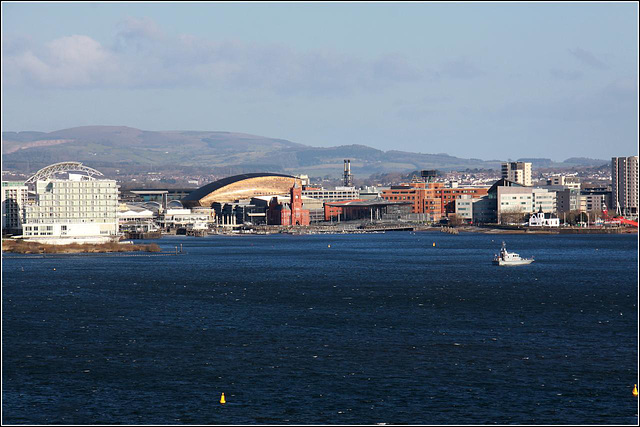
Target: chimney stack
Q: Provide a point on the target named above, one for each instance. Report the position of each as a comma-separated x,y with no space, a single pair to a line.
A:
348,181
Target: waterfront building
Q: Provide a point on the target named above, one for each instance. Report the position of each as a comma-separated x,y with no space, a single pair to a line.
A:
498,199
421,195
241,211
542,219
315,208
176,218
595,197
475,209
155,195
513,201
257,210
291,213
78,208
135,212
431,198
448,196
464,208
334,211
567,199
592,202
240,187
624,191
483,210
519,172
543,200
339,193
372,210
14,199
136,218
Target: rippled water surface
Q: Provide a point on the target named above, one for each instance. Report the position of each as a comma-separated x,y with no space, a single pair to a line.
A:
380,328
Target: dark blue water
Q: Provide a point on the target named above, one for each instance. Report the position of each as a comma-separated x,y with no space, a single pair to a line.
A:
378,328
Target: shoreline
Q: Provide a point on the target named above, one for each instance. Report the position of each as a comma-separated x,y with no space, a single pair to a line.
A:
36,248
420,228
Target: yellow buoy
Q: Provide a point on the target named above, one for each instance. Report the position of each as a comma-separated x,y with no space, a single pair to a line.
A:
434,244
328,246
54,269
635,390
222,400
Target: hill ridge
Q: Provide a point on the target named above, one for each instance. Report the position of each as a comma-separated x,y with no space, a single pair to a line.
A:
125,146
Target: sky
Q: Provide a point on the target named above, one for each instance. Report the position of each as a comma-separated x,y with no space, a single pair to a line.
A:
493,81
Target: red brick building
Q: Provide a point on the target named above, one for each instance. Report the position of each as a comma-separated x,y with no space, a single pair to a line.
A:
290,213
334,209
430,198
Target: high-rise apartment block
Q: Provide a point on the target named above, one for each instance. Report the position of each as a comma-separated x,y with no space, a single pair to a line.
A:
519,172
624,191
14,200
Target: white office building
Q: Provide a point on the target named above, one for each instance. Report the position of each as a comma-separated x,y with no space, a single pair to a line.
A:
543,200
339,193
572,182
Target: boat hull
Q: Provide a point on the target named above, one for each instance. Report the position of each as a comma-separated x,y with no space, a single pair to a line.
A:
516,262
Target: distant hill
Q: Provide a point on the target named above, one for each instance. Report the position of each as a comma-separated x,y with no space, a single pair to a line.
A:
585,161
130,148
542,163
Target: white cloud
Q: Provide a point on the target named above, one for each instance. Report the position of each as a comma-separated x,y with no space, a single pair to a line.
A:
142,55
73,61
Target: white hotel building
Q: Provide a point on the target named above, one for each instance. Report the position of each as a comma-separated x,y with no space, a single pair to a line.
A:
78,209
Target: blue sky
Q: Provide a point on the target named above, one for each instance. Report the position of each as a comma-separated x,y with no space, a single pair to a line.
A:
482,80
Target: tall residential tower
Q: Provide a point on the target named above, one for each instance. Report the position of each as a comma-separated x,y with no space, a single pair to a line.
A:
519,172
624,191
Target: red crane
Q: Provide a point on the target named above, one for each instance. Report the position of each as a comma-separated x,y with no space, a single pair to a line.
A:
618,219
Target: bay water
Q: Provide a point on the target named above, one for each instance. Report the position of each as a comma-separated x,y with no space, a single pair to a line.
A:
325,329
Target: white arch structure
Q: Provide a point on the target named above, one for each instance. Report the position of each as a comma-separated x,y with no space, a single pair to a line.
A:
47,172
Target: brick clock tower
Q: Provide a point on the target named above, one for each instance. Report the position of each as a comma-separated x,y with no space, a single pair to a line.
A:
299,216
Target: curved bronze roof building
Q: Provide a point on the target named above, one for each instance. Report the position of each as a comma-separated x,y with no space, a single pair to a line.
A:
238,187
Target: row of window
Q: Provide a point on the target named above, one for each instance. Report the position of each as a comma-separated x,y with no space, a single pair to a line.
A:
44,227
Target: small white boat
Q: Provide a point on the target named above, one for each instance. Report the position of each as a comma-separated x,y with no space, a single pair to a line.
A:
510,258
